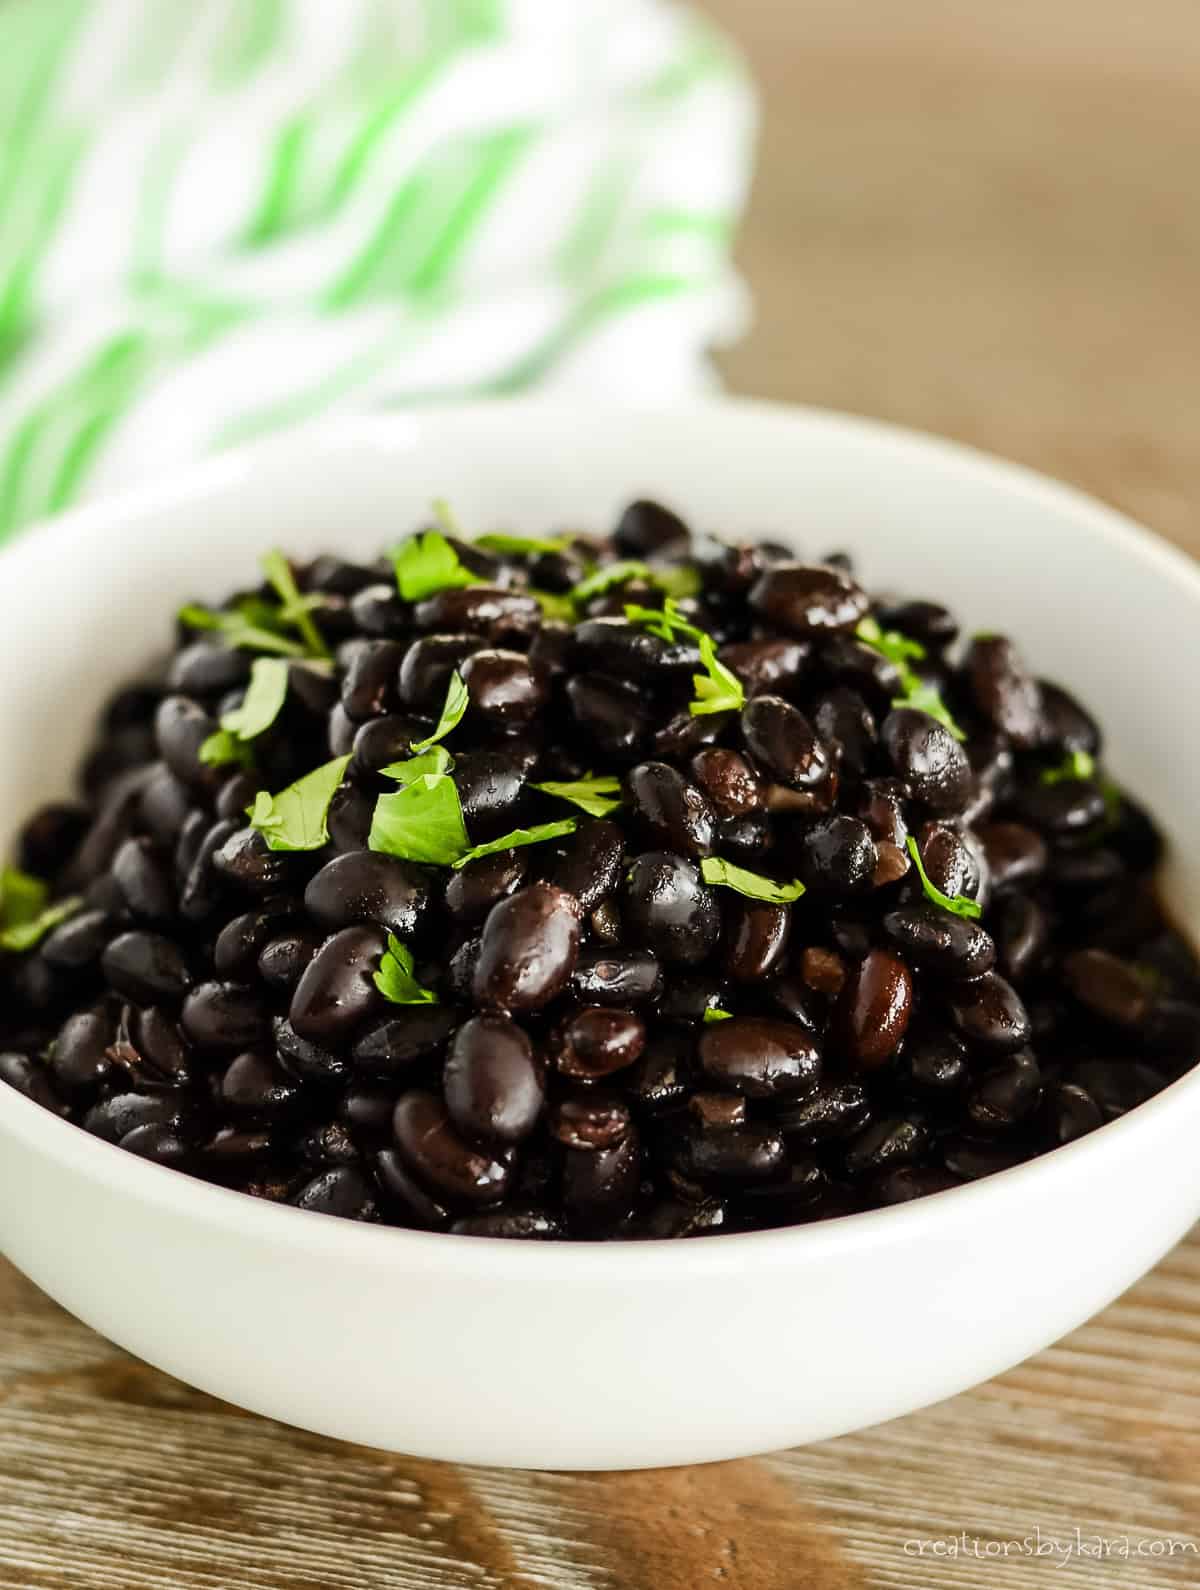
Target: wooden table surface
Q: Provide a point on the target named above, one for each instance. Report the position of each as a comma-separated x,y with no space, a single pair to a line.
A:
984,221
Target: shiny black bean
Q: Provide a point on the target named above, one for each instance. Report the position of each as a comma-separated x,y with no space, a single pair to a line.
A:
1066,726
343,1191
605,976
300,1058
78,942
115,1117
808,599
365,1109
163,1055
837,856
142,874
407,1202
610,715
1117,1086
492,1083
378,610
1022,934
759,1056
254,1086
783,741
1006,1093
473,890
491,787
49,839
370,684
505,688
587,863
954,862
887,1144
674,812
282,960
745,839
245,859
989,1012
1070,806
767,667
336,995
599,1185
941,942
1069,1112
369,886
629,651
485,609
590,1120
181,727
204,669
237,948
529,947
596,1041
1005,694
740,1154
1107,987
928,758
669,909
729,780
381,741
1016,855
971,1159
78,1058
115,814
431,1147
660,1080
225,1016
873,1010
934,1064
147,968
427,666
914,1181
31,1079
512,1224
833,1113
647,527
928,622
755,940
460,969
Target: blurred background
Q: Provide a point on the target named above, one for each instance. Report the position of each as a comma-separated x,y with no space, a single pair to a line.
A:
982,220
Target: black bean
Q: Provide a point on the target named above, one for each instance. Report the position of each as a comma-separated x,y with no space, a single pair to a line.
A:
78,1058
427,666
1117,1086
282,960
337,992
225,1016
31,1079
474,889
1016,855
928,758
122,1113
767,667
808,599
493,1086
491,786
587,863
378,610
674,812
954,862
873,1009
381,741
204,669
597,1041
163,1056
365,1108
1066,726
504,687
934,1063
529,948
343,1191
628,651
670,910
646,527
989,1012
1022,934
1107,988
970,1159
756,940
486,609
928,622
247,860
782,739
834,1112
914,1181
49,839
741,1154
590,1120
888,1143
610,714
181,727
254,1086
1004,692
837,856
432,1149
599,1185
760,1056
79,942
513,1224
369,886
144,879
1070,806
1069,1112
1006,1093
945,944
300,1058
146,967
370,684
404,1196
729,780
616,977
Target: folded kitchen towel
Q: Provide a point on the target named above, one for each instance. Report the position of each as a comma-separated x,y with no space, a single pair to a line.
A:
220,219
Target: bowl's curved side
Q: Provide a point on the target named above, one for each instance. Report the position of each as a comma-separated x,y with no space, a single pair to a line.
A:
625,1356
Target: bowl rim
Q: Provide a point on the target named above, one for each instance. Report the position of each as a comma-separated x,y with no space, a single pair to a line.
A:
126,1174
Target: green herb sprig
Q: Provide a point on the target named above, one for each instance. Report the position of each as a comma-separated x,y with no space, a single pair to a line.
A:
517,838
297,817
395,980
1076,765
716,870
958,904
456,703
918,693
596,796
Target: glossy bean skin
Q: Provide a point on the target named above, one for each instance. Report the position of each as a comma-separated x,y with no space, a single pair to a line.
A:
587,864
782,740
504,687
948,945
596,1041
337,994
433,1150
493,1085
1006,1093
670,911
805,599
227,1016
989,1012
873,1009
760,1057
675,814
529,948
181,727
368,886
610,712
483,609
728,780
616,977
838,855
1107,988
590,1121
739,1155
756,940
79,1061
1003,691
473,890
928,758
343,1191
146,967
427,666
599,1185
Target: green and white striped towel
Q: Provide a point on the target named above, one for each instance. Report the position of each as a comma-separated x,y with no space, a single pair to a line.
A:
222,217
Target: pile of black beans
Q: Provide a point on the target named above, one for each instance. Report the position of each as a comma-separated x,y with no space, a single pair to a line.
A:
617,1047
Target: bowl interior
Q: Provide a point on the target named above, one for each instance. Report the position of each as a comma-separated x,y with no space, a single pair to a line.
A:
1104,609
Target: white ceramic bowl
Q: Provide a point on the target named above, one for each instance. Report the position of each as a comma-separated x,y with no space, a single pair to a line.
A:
626,1354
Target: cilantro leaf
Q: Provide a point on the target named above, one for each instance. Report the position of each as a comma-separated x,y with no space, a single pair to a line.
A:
22,897
223,748
421,822
594,795
26,935
395,980
436,760
523,546
1080,765
239,629
959,904
610,574
295,819
677,579
520,836
714,869
889,643
662,621
427,563
294,609
715,1013
924,697
718,690
456,703
262,702
553,605
918,693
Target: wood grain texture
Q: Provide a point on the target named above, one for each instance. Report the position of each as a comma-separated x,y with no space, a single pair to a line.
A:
984,221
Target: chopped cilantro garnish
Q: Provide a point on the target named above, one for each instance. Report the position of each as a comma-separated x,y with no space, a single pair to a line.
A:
523,546
518,837
714,869
1079,765
427,563
456,703
596,796
421,822
395,980
715,1013
244,627
918,693
294,610
959,904
18,937
295,819
718,690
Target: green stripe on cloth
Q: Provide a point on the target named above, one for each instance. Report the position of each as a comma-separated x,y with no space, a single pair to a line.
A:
277,208
380,121
57,159
496,156
372,263
254,31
